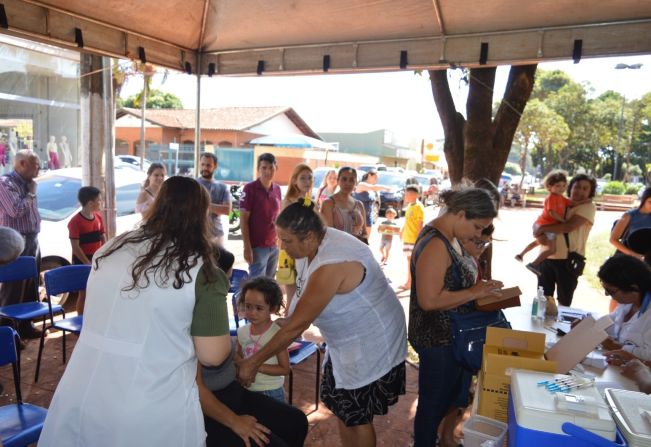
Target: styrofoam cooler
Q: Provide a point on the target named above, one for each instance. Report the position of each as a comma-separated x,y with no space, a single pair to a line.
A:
627,408
479,429
535,419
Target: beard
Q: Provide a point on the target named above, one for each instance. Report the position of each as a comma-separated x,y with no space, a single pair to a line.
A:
207,174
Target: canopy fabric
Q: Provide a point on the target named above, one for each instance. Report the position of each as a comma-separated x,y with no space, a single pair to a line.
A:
249,37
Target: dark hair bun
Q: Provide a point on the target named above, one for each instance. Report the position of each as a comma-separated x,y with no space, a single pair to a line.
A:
306,202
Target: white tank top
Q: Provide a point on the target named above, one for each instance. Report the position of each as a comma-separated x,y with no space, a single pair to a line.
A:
364,329
131,378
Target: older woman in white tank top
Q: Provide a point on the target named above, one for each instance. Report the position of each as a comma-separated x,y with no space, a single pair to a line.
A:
342,290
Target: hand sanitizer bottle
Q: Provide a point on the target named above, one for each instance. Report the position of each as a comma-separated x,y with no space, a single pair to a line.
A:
542,304
534,307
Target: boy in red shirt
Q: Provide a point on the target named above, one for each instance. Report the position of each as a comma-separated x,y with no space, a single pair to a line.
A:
554,212
86,231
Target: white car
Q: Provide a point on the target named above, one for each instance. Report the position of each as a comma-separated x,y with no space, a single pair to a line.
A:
131,161
57,204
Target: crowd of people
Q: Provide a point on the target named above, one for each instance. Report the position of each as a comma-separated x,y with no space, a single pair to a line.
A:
156,347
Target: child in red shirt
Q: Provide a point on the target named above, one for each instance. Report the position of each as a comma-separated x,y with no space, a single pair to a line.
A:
86,230
554,212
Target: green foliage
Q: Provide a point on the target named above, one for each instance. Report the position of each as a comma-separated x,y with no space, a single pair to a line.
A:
597,251
156,99
608,177
614,187
633,188
512,168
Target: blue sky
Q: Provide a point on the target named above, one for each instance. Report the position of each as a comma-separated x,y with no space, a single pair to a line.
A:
398,101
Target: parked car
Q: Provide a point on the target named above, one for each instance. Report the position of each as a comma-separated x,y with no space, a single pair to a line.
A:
377,167
396,197
131,161
57,204
428,189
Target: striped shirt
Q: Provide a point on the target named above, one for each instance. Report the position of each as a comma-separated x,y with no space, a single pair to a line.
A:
17,210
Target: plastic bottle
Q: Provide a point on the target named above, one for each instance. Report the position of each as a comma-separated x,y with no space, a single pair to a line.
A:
542,304
534,307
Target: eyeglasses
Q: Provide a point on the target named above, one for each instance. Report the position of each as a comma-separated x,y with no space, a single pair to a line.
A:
610,292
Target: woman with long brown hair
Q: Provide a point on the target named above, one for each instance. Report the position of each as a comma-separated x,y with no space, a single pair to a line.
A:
151,186
300,186
156,303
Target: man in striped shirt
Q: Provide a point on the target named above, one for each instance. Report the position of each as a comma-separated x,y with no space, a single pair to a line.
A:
19,210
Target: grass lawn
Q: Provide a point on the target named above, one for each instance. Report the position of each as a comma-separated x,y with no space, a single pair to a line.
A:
597,251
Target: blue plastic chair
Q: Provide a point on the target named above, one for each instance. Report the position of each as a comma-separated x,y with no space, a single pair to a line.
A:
297,356
20,423
237,278
66,279
21,269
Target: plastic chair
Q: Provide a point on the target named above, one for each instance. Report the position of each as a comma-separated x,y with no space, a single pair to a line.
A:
20,423
237,278
21,269
66,279
297,356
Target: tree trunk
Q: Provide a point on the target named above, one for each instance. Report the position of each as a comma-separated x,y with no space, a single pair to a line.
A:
453,124
479,147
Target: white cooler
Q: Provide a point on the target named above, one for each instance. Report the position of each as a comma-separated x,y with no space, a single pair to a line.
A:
536,418
628,409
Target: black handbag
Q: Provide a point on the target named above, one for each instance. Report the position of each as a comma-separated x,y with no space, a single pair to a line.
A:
469,335
575,262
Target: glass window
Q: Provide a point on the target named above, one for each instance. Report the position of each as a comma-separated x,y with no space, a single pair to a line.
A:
39,102
125,198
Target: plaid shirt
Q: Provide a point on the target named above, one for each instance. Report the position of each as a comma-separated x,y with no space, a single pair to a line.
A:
17,211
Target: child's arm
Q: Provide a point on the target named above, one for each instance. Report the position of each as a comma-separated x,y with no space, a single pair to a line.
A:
579,202
556,216
238,353
281,369
77,251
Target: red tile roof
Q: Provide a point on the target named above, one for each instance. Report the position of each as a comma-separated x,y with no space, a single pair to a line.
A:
223,118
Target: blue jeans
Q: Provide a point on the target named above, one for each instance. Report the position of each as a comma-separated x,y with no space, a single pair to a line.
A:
278,393
265,262
442,384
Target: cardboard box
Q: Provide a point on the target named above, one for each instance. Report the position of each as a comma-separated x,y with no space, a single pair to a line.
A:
505,350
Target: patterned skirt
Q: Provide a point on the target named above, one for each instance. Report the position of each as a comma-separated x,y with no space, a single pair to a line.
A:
358,406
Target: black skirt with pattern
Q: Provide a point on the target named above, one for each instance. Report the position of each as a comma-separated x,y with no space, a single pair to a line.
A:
358,406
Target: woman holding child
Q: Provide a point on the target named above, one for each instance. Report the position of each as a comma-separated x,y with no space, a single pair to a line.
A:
342,290
554,271
444,278
341,210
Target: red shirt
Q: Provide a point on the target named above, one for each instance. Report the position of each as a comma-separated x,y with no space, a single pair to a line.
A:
263,206
88,231
553,202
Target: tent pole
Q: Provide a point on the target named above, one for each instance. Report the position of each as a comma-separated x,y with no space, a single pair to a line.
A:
109,146
197,125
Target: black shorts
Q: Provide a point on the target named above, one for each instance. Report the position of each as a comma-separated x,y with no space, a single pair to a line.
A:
358,406
77,261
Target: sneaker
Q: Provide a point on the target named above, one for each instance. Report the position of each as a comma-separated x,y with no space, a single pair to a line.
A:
533,269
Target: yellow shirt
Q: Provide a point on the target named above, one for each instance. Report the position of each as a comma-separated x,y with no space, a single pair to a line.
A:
414,217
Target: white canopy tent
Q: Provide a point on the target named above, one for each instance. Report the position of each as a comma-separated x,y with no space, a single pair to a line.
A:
248,37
